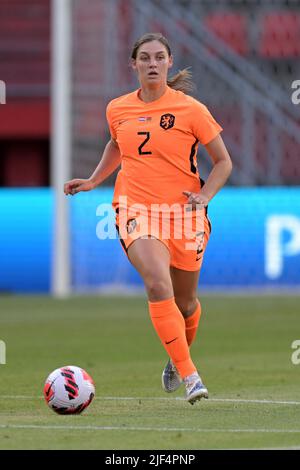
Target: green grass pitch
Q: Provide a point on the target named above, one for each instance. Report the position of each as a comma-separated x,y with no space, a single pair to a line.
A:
243,352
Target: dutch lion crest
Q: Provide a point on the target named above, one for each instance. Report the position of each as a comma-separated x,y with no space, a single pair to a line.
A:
167,121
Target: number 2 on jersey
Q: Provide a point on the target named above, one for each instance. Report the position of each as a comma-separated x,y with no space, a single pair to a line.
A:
141,152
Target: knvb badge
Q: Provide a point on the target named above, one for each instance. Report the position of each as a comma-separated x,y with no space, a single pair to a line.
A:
2,92
2,352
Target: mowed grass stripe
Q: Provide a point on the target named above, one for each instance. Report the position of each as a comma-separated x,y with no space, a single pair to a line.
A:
142,428
216,400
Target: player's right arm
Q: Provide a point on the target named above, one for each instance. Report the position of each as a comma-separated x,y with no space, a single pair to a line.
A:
109,162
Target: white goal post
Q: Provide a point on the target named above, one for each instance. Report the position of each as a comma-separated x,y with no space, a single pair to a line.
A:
60,142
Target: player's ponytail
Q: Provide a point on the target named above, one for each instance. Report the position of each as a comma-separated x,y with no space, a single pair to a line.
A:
182,80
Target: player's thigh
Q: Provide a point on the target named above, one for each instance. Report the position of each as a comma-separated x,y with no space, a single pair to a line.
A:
151,258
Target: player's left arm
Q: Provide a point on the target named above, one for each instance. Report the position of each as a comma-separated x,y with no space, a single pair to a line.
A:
222,167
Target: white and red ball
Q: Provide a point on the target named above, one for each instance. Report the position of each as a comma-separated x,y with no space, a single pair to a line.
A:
69,390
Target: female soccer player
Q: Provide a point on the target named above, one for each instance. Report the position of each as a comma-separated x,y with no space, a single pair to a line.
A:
155,132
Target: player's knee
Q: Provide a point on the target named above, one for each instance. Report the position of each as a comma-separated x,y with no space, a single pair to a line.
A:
187,305
158,288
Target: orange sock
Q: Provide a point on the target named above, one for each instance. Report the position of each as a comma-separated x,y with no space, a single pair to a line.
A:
170,327
191,324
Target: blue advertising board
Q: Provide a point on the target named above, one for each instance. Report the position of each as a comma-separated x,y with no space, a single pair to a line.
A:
25,240
255,241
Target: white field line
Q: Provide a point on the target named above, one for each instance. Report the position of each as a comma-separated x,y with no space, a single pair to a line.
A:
217,400
142,428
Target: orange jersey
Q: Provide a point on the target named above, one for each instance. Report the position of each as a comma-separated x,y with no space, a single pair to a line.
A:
158,142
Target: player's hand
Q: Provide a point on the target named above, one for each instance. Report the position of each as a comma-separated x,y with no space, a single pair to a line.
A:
75,186
196,200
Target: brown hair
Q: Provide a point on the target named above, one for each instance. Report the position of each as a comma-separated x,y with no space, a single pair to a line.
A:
182,80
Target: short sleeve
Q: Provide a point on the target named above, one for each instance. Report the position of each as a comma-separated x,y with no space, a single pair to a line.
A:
205,127
109,119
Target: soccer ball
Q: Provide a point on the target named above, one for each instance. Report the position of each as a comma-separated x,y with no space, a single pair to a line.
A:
69,390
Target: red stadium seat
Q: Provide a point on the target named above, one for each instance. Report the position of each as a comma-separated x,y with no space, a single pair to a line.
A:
280,35
231,28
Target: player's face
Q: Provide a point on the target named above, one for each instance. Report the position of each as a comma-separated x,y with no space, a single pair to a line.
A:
152,63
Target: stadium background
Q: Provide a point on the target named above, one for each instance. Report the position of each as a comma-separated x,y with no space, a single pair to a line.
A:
244,57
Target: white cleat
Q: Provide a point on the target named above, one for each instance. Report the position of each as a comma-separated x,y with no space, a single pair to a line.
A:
195,390
170,378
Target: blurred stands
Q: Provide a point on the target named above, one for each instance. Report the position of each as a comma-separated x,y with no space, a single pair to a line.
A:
244,57
25,68
238,73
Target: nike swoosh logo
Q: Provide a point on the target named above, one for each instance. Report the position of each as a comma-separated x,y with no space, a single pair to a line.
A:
168,342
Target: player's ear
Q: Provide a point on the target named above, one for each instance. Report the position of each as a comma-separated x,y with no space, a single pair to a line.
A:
170,61
133,64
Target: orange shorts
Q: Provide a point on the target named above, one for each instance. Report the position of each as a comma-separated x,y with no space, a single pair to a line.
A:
186,237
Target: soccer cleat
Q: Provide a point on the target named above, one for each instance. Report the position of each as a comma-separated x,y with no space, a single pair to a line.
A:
170,378
195,390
